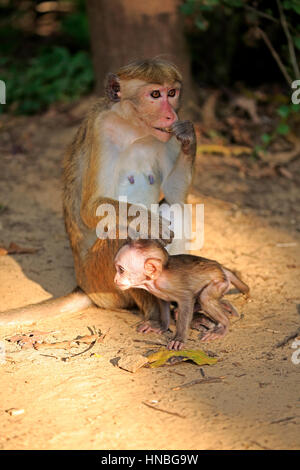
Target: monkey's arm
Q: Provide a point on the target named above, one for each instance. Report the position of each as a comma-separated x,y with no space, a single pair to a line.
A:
164,308
184,318
91,219
177,183
158,319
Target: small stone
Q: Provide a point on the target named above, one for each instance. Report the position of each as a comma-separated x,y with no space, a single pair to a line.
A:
15,411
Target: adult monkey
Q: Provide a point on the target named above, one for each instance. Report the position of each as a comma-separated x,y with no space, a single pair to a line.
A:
138,117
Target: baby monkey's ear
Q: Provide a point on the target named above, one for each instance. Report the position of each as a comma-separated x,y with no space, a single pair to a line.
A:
153,267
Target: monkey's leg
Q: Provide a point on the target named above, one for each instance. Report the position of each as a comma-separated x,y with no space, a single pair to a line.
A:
165,314
212,306
51,308
185,315
149,305
202,322
229,308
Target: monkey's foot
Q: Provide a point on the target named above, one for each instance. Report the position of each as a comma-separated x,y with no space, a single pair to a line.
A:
218,332
229,309
151,327
202,321
175,344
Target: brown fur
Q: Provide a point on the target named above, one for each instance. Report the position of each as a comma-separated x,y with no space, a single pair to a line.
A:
111,125
150,71
186,279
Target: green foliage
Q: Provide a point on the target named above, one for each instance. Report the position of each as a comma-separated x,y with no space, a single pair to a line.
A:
228,23
39,70
287,113
53,75
283,129
75,25
198,8
292,5
266,139
297,41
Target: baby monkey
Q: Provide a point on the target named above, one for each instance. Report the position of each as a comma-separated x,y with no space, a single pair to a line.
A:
193,282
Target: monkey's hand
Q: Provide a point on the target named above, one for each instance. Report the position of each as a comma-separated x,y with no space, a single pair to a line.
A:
185,133
151,326
148,219
176,344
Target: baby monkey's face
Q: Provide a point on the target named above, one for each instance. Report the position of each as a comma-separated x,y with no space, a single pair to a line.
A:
129,265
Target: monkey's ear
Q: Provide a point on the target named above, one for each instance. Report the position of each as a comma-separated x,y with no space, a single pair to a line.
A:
112,87
153,267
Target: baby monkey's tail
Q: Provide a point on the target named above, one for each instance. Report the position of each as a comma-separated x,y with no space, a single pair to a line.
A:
236,281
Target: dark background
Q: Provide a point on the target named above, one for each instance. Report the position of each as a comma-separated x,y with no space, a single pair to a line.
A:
59,50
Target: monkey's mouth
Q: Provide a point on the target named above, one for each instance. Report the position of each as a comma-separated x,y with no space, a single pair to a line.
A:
168,130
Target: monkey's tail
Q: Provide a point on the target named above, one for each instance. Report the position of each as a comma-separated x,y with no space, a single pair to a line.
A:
236,281
51,308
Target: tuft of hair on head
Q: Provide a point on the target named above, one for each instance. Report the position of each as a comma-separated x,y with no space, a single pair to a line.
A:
154,70
149,248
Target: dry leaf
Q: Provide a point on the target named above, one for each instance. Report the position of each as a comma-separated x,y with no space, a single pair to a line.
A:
14,249
132,362
165,356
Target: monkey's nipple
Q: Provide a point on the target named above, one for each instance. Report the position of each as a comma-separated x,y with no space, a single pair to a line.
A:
131,179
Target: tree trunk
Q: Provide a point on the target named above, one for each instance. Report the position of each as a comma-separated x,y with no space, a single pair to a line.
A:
126,30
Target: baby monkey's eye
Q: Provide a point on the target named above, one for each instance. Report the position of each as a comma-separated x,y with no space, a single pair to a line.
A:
155,94
172,92
120,269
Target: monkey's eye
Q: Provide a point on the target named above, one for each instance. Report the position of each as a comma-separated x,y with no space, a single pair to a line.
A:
172,92
155,94
120,269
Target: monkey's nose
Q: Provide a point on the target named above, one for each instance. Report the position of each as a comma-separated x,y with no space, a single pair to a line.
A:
172,117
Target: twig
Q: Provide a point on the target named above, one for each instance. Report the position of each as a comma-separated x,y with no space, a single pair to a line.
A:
176,372
163,411
64,359
260,445
275,55
282,420
289,40
226,150
208,380
97,337
288,338
156,343
261,13
58,345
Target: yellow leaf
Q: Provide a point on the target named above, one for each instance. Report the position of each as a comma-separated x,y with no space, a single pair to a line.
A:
163,357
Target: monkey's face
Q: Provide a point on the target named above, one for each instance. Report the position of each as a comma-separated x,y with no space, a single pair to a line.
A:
158,104
130,269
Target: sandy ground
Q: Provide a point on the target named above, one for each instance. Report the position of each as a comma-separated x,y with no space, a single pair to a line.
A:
87,402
